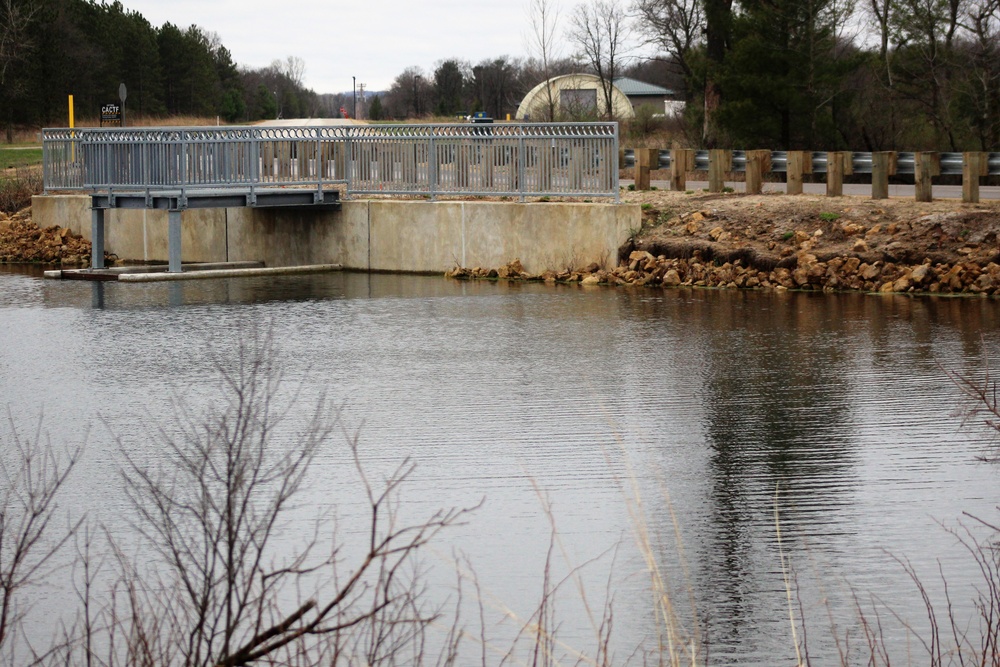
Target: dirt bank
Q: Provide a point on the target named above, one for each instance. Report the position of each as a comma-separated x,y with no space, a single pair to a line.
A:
801,242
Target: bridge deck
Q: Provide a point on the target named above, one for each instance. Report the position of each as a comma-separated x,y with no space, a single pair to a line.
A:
175,200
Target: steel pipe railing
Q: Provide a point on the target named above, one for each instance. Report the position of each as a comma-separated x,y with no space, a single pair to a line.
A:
537,159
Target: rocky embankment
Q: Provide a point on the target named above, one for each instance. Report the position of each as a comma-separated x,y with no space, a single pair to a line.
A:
22,241
801,242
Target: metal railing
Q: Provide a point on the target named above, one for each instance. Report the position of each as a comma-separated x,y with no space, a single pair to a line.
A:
861,162
537,159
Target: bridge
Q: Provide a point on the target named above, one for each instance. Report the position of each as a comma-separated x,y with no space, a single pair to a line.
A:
283,167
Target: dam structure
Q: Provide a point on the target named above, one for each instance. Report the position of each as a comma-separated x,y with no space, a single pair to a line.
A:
415,198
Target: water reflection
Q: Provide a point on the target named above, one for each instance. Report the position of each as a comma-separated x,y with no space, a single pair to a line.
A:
716,397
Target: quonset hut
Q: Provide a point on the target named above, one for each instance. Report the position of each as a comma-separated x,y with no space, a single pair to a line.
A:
573,97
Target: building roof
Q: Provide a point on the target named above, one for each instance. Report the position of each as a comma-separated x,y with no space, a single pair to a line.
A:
634,87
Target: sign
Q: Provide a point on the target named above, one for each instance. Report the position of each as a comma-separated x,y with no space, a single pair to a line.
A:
111,115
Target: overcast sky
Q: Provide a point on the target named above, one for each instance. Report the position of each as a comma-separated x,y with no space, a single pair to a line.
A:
373,40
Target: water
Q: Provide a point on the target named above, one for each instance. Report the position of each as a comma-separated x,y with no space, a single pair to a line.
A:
712,406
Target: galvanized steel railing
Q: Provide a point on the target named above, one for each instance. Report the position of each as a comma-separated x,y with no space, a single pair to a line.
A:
861,162
539,159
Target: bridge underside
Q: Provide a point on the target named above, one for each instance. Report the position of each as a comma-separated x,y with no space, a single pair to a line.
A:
175,201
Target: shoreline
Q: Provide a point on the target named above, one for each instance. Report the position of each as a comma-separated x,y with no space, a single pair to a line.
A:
800,242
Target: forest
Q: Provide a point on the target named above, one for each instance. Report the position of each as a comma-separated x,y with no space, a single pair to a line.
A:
780,74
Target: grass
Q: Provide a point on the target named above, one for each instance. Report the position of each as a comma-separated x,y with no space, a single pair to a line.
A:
829,217
14,157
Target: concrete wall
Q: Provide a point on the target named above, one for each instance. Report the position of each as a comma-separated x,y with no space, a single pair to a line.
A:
377,235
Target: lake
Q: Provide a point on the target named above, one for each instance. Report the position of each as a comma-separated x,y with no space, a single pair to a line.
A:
714,407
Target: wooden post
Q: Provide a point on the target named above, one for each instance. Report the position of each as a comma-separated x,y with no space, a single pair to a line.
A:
719,161
799,162
834,174
974,165
926,166
645,160
681,162
758,163
621,158
883,166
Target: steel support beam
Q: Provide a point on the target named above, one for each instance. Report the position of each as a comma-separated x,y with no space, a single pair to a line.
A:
174,240
97,238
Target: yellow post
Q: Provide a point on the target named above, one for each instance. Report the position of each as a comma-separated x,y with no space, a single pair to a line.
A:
72,147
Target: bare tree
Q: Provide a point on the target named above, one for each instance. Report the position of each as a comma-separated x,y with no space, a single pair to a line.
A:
600,32
544,18
15,46
32,474
15,42
213,522
675,26
294,68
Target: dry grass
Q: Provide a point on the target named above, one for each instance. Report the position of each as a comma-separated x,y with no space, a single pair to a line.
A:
16,188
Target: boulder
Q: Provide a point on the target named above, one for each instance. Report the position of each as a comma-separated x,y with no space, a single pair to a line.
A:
921,274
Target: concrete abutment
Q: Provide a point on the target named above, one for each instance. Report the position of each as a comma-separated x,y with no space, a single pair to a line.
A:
371,235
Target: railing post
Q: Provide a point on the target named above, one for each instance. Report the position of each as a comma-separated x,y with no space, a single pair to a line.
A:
348,164
926,166
719,161
974,165
520,164
883,166
432,166
758,163
834,174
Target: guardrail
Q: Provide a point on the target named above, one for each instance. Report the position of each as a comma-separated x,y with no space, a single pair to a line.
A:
537,159
835,164
861,162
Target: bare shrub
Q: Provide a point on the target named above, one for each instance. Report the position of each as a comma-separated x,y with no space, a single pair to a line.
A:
16,190
218,575
32,473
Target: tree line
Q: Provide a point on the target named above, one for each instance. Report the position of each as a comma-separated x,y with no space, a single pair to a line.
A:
50,49
872,74
782,74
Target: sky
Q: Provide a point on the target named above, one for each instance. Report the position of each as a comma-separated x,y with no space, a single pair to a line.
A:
373,40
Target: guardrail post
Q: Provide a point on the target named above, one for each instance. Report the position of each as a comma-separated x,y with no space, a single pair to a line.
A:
974,165
883,166
835,173
645,159
719,161
681,162
799,163
926,166
758,163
